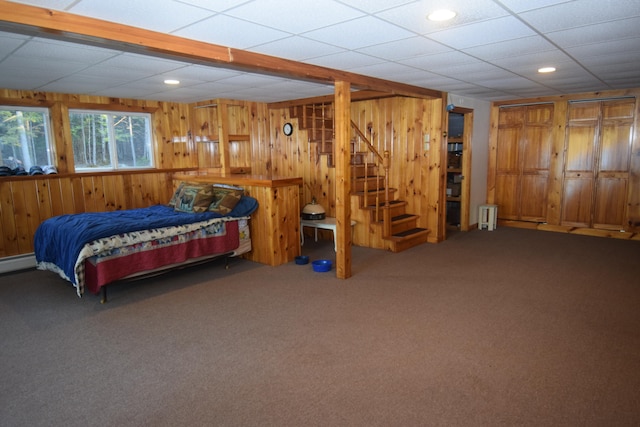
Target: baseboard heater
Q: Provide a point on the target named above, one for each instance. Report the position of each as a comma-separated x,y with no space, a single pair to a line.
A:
18,262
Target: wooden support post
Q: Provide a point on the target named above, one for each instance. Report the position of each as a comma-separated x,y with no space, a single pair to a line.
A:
342,152
223,136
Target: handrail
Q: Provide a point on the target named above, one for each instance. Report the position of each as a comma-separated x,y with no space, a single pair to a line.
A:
384,162
366,140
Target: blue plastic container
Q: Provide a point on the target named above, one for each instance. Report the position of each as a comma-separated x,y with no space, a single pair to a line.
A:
321,265
302,259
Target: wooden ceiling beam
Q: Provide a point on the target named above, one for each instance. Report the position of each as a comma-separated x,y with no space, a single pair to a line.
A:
361,95
48,23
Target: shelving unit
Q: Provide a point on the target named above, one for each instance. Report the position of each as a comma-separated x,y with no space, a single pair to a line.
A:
222,134
454,181
455,141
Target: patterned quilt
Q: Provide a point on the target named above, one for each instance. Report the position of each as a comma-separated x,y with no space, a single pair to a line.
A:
63,243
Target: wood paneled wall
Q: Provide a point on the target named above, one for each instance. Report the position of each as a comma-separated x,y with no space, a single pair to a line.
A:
27,201
398,125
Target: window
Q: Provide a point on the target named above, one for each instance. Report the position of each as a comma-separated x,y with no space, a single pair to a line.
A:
24,137
105,140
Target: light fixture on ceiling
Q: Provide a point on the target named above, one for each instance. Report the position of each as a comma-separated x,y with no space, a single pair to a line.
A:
441,15
544,70
172,82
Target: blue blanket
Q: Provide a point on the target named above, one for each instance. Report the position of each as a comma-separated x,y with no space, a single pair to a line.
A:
60,239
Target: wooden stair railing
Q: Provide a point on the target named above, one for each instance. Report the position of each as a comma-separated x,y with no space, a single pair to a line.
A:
384,162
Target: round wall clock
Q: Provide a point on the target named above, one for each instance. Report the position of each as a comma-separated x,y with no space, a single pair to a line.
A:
287,129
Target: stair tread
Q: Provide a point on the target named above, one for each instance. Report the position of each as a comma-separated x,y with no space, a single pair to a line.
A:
403,217
409,233
382,205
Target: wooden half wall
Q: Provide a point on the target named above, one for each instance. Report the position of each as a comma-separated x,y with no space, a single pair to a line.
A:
27,201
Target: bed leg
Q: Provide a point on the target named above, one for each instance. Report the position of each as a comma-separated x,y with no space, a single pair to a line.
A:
103,295
226,262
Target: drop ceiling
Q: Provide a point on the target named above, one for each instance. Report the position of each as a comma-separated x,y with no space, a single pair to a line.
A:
491,50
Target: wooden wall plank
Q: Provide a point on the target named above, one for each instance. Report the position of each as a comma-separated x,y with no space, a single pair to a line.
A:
21,212
88,190
44,199
8,220
554,200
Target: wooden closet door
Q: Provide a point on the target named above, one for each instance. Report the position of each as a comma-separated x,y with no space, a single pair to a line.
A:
522,162
597,159
511,122
580,147
535,161
612,177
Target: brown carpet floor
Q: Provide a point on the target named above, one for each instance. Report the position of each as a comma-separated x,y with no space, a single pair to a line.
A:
506,328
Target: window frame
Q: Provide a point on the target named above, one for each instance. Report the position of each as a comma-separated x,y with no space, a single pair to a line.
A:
49,140
115,167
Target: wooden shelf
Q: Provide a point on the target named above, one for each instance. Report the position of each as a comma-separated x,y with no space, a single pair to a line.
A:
232,138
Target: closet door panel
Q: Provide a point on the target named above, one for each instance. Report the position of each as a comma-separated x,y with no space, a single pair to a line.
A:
536,156
507,159
537,149
507,196
579,149
533,203
615,148
577,199
507,162
610,203
612,176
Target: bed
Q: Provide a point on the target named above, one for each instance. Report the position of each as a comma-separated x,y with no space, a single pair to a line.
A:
93,250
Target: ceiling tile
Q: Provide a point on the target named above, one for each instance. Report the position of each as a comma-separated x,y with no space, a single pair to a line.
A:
509,48
141,64
413,16
598,33
358,33
574,14
405,48
337,60
157,15
64,51
524,5
481,33
214,6
202,73
439,60
384,69
8,44
530,63
620,47
53,4
228,31
296,48
298,16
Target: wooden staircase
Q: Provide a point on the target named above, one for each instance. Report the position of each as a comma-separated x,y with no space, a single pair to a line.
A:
382,214
390,220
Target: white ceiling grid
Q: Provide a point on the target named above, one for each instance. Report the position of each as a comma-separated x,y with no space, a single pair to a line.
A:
490,50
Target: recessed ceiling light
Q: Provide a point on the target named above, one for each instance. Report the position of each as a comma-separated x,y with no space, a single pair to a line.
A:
172,82
546,69
441,15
